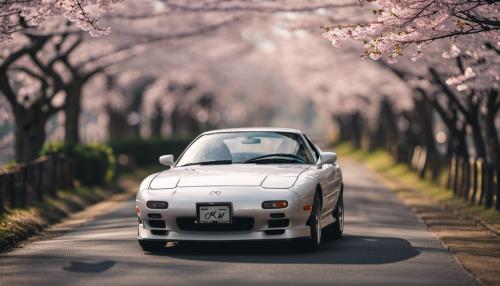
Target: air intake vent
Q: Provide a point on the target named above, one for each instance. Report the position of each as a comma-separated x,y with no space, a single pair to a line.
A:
274,223
278,215
275,231
158,232
237,224
156,223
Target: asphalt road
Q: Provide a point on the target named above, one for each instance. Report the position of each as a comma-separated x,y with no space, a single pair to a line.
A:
384,244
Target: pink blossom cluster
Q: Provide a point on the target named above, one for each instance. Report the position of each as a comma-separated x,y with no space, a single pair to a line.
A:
459,80
400,24
86,14
477,65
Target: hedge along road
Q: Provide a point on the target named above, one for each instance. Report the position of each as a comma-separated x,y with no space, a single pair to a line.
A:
384,244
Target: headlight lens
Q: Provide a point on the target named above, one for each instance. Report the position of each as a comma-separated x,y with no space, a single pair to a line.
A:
274,204
157,205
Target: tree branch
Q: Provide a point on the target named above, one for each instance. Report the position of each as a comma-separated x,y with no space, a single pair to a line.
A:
151,39
35,46
256,8
30,73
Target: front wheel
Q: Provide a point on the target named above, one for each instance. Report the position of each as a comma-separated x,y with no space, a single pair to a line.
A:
152,246
314,241
337,228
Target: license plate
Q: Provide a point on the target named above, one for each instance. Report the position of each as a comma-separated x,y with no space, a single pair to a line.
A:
214,214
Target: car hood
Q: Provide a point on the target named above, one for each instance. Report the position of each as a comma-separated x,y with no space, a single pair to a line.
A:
271,176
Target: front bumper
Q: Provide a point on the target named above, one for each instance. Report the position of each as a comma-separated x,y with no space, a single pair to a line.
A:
246,203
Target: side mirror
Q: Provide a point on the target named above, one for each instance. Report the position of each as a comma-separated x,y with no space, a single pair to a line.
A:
328,158
167,160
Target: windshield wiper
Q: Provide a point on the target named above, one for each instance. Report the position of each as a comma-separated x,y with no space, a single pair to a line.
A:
268,156
215,162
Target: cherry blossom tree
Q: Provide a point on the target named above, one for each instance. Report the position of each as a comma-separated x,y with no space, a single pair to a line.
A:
459,83
400,24
246,63
61,63
33,96
17,15
471,91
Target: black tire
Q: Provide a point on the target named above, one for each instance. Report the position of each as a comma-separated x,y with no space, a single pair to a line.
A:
313,243
152,246
337,228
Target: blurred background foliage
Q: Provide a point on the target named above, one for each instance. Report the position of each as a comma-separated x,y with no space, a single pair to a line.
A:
94,164
137,152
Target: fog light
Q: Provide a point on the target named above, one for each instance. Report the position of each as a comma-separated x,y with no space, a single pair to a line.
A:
274,204
157,205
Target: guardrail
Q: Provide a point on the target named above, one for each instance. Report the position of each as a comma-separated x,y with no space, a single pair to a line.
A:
473,179
26,184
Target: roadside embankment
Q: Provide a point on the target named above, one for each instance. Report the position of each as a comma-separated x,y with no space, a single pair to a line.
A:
469,232
17,225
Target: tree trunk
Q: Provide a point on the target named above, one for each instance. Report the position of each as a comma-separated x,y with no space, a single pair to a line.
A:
117,124
408,140
478,138
389,127
357,129
424,114
493,142
492,139
459,133
175,121
157,121
30,134
342,128
72,110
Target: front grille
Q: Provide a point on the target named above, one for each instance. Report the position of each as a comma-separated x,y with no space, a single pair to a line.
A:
237,224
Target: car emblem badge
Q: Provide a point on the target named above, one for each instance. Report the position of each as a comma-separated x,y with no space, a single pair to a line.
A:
215,193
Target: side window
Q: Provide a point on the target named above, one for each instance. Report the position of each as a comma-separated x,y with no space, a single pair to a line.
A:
313,148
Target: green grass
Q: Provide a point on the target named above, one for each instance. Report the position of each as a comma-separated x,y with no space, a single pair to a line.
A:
384,164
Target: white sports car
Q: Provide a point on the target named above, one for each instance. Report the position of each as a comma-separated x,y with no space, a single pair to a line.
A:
243,184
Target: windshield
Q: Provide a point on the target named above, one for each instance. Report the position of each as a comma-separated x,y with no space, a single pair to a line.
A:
247,147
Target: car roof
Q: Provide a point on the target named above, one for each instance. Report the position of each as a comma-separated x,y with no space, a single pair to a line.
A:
254,129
